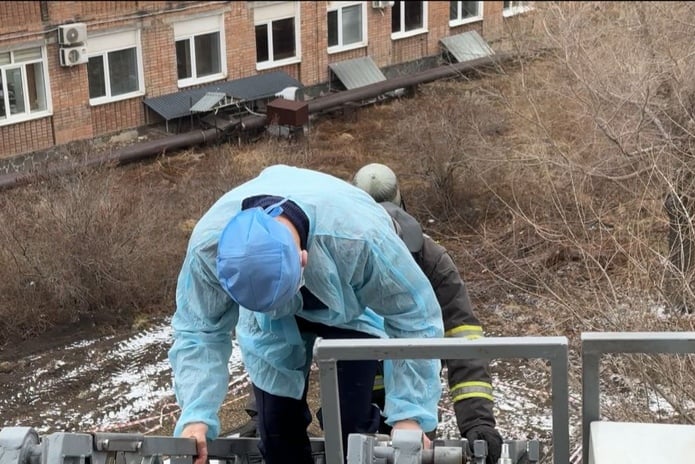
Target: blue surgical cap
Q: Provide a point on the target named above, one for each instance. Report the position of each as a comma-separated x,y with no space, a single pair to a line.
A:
258,263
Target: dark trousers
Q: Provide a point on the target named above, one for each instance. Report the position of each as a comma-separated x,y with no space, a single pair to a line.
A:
283,422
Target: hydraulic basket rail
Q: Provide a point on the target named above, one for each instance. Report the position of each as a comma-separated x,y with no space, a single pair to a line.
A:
554,349
22,445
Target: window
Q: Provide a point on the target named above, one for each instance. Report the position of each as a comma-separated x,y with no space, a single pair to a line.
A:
408,18
115,67
346,26
464,12
23,87
513,8
200,51
277,37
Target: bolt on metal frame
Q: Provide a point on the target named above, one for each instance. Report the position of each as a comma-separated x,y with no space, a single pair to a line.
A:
328,352
594,344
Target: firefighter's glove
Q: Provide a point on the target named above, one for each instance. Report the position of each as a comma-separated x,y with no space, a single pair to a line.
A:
491,436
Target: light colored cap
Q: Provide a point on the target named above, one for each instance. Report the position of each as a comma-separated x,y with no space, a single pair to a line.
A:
379,181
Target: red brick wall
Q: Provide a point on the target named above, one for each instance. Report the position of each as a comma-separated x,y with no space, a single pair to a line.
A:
19,16
70,96
380,44
493,21
73,117
314,41
117,116
240,39
26,137
158,56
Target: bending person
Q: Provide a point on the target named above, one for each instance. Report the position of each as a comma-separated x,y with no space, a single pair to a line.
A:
470,385
286,257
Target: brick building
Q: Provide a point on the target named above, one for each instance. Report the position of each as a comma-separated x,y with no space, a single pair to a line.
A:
75,70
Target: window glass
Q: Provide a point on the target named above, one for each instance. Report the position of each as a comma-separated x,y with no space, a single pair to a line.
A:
123,71
200,52
207,54
469,9
333,28
396,16
15,90
36,87
3,96
413,15
95,70
277,35
352,24
453,10
262,43
23,86
283,39
183,59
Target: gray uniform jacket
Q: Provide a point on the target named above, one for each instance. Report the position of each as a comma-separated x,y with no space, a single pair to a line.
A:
470,388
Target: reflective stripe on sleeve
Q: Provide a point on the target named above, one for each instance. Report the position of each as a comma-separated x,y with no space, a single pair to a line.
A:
470,332
473,389
378,382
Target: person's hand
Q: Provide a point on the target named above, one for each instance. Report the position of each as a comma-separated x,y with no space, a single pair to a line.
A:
197,430
491,436
411,425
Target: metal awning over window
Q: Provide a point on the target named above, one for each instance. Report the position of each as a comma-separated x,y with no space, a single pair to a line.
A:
185,102
467,46
357,72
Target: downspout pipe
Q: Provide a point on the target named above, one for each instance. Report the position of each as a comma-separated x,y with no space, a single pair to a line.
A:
152,148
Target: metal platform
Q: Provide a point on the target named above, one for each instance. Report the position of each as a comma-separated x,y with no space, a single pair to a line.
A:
634,443
609,442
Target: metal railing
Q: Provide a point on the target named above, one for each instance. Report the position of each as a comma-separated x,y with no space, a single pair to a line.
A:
595,344
554,349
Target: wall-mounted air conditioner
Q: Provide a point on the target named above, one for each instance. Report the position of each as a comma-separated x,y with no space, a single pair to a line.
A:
72,34
381,4
71,56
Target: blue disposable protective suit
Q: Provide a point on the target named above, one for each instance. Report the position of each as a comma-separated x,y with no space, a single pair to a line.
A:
356,261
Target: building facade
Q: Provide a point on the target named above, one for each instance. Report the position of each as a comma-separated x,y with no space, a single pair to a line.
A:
76,70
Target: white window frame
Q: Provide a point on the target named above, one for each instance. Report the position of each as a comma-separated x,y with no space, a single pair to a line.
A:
460,21
516,8
338,6
403,34
9,119
102,45
189,30
276,12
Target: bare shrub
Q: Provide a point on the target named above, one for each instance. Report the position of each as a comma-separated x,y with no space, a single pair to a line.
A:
604,122
81,247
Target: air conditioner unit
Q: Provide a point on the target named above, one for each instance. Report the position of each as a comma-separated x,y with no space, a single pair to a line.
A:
72,34
71,56
381,4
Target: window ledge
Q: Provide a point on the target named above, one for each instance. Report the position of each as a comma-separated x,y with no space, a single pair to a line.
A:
405,35
277,64
347,48
515,11
461,22
24,118
105,100
183,83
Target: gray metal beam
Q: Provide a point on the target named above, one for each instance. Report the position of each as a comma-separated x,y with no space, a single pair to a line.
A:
594,344
328,352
